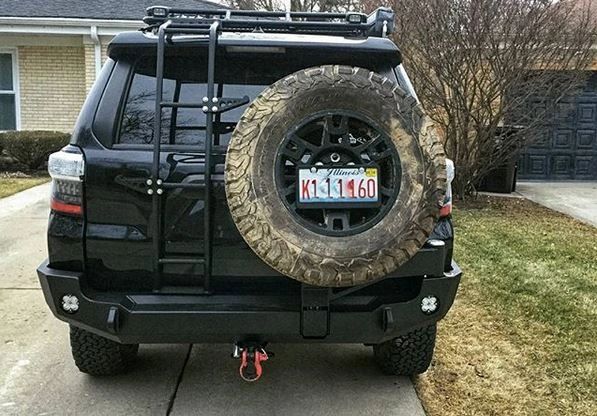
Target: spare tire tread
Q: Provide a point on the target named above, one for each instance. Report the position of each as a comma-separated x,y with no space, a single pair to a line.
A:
313,268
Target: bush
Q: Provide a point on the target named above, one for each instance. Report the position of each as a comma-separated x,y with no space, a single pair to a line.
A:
32,148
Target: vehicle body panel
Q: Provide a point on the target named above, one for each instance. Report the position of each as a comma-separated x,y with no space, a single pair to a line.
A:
105,257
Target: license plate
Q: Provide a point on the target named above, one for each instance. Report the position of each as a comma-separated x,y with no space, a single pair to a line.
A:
329,186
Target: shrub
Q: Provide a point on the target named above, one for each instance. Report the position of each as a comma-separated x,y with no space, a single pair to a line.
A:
32,148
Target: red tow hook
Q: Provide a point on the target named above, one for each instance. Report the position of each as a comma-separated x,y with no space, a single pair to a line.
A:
250,364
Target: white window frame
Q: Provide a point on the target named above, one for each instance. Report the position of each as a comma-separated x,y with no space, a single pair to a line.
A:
15,83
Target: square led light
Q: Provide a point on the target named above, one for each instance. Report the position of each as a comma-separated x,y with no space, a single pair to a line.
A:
354,18
160,12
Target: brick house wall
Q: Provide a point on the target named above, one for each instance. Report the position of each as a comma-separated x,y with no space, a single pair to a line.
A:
53,82
90,62
89,54
54,74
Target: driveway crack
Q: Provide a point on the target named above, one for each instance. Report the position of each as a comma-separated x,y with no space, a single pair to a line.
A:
178,381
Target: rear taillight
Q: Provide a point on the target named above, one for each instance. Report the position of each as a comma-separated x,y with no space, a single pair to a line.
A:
446,208
67,168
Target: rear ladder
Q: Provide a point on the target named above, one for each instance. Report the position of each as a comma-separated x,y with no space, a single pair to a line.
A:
211,105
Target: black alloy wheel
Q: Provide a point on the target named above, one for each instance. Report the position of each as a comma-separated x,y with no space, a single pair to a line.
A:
338,139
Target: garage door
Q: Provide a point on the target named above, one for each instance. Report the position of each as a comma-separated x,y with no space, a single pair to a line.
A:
567,147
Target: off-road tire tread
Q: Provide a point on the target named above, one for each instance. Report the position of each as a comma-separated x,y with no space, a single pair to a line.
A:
99,356
407,354
267,243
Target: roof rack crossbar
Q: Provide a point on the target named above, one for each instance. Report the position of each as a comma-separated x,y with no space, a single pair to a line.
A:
171,11
199,30
270,26
378,24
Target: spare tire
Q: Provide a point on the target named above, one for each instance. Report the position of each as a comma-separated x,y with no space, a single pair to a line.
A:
325,117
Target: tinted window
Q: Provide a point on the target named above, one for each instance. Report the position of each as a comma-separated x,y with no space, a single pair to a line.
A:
185,81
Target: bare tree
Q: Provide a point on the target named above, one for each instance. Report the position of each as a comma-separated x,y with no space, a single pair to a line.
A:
270,5
296,5
478,65
324,5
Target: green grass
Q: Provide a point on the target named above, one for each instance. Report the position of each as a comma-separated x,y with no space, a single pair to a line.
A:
12,185
522,337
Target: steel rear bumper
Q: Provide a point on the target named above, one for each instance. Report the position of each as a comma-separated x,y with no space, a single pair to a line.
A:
162,318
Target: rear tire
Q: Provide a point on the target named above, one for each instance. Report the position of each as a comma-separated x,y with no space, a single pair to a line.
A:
407,354
99,356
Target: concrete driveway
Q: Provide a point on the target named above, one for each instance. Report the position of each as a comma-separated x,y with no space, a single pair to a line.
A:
577,199
38,377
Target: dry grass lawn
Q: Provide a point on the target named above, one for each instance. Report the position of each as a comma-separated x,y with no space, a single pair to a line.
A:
522,336
11,184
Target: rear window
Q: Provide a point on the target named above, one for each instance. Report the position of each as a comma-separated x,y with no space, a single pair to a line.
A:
185,81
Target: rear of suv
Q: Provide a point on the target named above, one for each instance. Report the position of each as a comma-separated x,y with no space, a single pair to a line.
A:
292,190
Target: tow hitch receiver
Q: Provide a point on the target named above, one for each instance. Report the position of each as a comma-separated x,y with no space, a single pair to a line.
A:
250,357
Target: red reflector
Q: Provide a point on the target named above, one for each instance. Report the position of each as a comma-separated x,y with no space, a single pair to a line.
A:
64,208
445,210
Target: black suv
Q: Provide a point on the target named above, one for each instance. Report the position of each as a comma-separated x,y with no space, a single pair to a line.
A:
292,190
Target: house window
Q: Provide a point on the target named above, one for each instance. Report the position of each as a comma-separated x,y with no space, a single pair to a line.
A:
9,98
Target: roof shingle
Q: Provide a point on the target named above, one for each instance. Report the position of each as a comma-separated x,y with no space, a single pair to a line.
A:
94,9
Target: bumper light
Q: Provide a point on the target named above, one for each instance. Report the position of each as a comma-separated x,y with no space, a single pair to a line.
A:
429,304
70,303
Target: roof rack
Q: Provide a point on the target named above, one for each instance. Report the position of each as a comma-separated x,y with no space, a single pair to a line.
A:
380,23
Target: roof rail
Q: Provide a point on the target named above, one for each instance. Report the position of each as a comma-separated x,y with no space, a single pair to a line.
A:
380,23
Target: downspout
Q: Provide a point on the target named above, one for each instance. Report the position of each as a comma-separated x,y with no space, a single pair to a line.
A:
97,51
